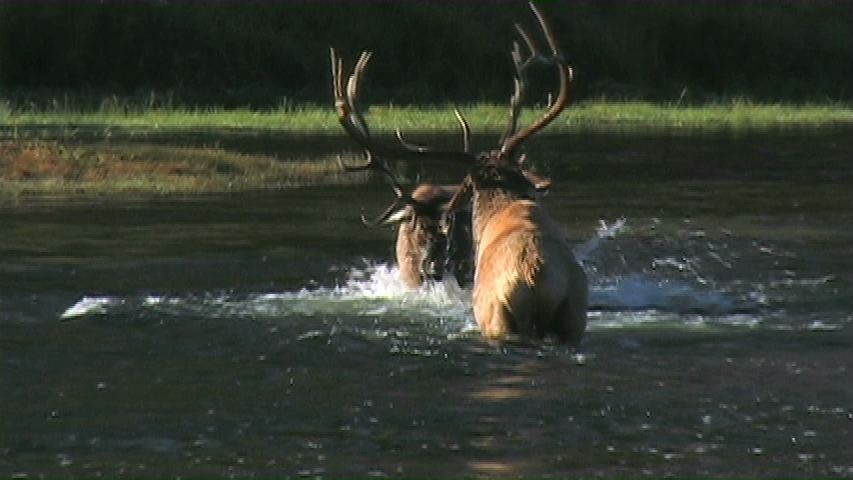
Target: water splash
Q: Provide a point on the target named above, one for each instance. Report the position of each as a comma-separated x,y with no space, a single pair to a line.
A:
91,306
636,278
603,232
640,292
373,290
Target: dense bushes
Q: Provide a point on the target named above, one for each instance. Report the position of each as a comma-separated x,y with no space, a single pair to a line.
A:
261,53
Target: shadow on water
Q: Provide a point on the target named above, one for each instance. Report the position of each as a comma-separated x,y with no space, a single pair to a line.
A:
266,333
773,154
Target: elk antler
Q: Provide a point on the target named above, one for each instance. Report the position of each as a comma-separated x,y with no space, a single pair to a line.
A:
346,95
511,140
466,137
353,122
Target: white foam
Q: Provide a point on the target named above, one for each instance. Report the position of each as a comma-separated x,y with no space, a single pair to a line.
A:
603,232
636,292
91,306
375,290
659,285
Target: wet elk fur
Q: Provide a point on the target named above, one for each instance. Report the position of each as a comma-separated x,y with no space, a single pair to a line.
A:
527,280
423,250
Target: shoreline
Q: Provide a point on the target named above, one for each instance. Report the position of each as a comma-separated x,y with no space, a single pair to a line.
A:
161,152
586,116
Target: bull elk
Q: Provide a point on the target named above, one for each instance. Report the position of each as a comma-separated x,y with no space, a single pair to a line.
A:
526,280
424,250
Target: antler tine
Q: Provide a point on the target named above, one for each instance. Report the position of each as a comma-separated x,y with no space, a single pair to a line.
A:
519,84
344,106
372,164
513,140
355,117
385,215
520,81
412,147
382,167
534,52
402,198
357,71
549,35
466,130
463,125
337,73
353,121
333,62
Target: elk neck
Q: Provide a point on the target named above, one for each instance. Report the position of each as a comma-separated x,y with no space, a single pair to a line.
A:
495,189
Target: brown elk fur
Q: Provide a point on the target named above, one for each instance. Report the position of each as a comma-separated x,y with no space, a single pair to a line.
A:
419,230
526,280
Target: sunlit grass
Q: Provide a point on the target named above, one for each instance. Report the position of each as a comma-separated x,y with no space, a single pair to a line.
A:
733,115
589,115
34,162
49,167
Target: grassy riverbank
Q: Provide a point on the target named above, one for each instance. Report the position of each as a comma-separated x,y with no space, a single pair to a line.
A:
123,149
63,168
589,115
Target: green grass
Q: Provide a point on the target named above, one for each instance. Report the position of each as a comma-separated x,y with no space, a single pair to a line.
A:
40,152
39,167
736,115
585,116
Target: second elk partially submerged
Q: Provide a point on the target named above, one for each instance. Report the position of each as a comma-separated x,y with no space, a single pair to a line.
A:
424,250
526,281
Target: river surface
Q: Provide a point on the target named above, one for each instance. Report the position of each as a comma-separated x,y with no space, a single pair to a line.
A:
266,334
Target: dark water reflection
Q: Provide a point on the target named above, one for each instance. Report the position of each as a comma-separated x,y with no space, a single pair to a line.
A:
264,334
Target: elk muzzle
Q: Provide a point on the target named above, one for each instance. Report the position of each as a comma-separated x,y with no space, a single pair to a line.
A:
434,262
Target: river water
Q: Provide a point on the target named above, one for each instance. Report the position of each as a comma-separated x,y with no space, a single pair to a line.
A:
266,334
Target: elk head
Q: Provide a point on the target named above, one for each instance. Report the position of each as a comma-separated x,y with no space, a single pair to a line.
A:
501,171
423,249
